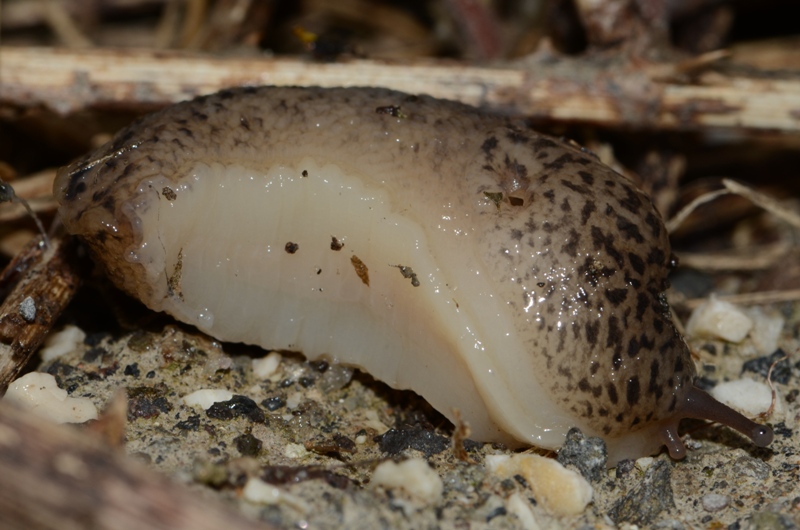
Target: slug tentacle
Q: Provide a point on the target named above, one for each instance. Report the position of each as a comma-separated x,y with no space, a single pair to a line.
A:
292,218
700,405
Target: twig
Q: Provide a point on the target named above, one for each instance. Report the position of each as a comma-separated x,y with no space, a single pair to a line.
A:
29,311
7,194
764,201
568,89
767,413
757,298
55,477
755,258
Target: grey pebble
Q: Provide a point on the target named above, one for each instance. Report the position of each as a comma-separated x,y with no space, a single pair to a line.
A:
714,502
587,454
642,504
27,308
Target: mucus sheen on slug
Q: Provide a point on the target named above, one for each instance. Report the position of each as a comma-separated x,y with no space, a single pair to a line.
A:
537,301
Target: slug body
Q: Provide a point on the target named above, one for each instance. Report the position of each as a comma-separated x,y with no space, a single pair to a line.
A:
459,254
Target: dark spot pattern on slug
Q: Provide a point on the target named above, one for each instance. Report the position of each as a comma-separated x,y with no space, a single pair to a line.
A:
578,246
632,391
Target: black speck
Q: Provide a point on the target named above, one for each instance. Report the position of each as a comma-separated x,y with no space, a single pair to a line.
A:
147,401
273,403
394,441
247,444
192,423
782,371
291,248
237,406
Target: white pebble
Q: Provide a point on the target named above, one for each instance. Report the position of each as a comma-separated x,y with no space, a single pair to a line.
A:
40,393
266,366
715,319
766,330
414,476
295,451
714,502
61,342
749,397
206,397
259,492
522,509
560,490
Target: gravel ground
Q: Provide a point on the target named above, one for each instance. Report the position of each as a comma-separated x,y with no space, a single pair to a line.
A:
316,432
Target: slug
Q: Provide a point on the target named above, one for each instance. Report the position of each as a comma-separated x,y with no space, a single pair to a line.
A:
460,254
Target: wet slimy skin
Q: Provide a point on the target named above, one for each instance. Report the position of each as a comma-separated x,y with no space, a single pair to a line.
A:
462,255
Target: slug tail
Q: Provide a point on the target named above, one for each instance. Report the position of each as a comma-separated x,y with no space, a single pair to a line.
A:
699,405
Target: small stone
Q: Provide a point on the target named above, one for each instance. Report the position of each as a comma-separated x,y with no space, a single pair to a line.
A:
751,469
716,319
395,441
642,504
766,330
714,502
27,308
587,454
206,397
40,393
624,467
747,396
562,491
414,476
267,366
781,371
247,444
259,492
61,342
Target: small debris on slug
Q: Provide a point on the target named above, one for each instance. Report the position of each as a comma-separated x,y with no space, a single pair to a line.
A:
291,247
408,272
336,244
562,491
495,197
169,194
39,393
174,280
414,476
361,269
392,110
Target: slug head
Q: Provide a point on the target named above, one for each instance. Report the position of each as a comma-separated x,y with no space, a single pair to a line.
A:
586,258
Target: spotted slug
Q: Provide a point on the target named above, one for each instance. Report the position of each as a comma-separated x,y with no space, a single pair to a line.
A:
491,269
